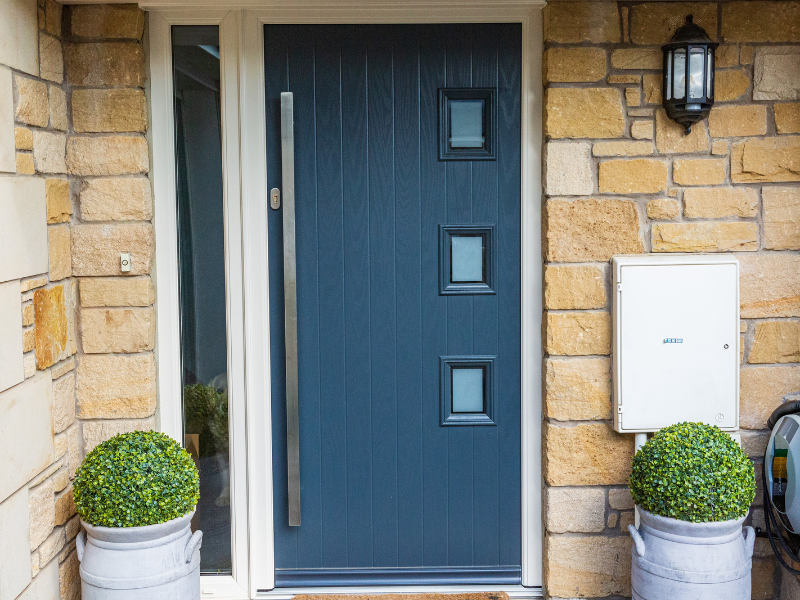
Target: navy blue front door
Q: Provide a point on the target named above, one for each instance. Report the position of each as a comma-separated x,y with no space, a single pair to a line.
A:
407,178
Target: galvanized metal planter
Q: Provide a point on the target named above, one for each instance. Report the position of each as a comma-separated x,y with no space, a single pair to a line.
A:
691,561
155,562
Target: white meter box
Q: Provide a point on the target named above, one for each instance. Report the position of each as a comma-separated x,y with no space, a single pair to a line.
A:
676,341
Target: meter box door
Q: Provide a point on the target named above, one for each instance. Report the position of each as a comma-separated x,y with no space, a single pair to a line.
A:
676,341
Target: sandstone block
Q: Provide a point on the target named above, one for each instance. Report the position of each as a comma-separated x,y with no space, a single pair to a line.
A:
766,159
42,506
117,330
73,451
622,148
69,576
581,22
26,432
570,288
715,203
62,368
626,78
638,176
96,432
670,138
568,169
769,285
116,387
30,99
588,566
777,72
637,58
108,21
761,389
113,155
65,507
23,138
63,402
620,499
747,55
687,171
578,333
116,291
633,96
51,59
33,282
651,83
719,147
705,237
761,21
123,199
109,111
754,444
662,209
52,546
96,248
27,314
642,130
59,250
781,218
586,454
48,152
590,230
761,579
106,64
787,118
578,510
54,314
59,207
28,340
730,85
737,121
58,108
727,55
53,11
574,64
578,389
584,113
776,342
25,164
655,23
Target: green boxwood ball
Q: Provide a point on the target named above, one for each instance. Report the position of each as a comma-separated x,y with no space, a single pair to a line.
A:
693,472
135,479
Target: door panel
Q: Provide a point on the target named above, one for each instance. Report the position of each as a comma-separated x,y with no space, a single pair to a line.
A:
388,494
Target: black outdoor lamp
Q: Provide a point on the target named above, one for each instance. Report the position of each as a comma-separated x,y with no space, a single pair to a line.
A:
688,91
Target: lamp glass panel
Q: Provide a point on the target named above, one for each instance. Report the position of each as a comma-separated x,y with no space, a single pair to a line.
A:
466,259
679,76
696,72
669,76
709,72
467,389
466,124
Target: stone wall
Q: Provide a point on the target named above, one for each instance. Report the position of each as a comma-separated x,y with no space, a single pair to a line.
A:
39,435
621,178
76,334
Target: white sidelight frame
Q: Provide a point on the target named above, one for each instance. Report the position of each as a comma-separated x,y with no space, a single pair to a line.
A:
246,200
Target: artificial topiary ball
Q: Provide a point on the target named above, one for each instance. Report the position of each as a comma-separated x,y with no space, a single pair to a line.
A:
693,472
135,479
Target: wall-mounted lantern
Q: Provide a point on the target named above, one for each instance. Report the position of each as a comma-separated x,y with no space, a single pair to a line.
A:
688,90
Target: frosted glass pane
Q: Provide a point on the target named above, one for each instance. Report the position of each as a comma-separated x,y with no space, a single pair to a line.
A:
466,258
466,124
679,78
696,73
467,390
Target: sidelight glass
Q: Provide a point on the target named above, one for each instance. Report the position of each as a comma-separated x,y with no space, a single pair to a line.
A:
679,77
466,124
696,72
201,253
467,390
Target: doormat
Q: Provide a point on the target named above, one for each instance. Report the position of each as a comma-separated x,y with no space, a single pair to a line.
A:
482,596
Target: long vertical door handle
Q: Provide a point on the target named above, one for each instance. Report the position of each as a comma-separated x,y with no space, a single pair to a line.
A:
290,304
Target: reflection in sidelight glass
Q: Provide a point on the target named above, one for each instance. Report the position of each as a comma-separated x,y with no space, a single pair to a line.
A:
201,252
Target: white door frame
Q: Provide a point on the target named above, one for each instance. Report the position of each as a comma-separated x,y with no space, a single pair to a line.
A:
245,218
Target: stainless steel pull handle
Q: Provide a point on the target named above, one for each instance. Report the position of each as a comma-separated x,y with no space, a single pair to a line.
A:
290,308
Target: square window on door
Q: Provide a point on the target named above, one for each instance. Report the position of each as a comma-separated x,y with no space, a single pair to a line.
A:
466,390
466,259
466,119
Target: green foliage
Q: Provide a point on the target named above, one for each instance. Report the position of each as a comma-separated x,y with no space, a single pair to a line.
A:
135,479
206,411
693,472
